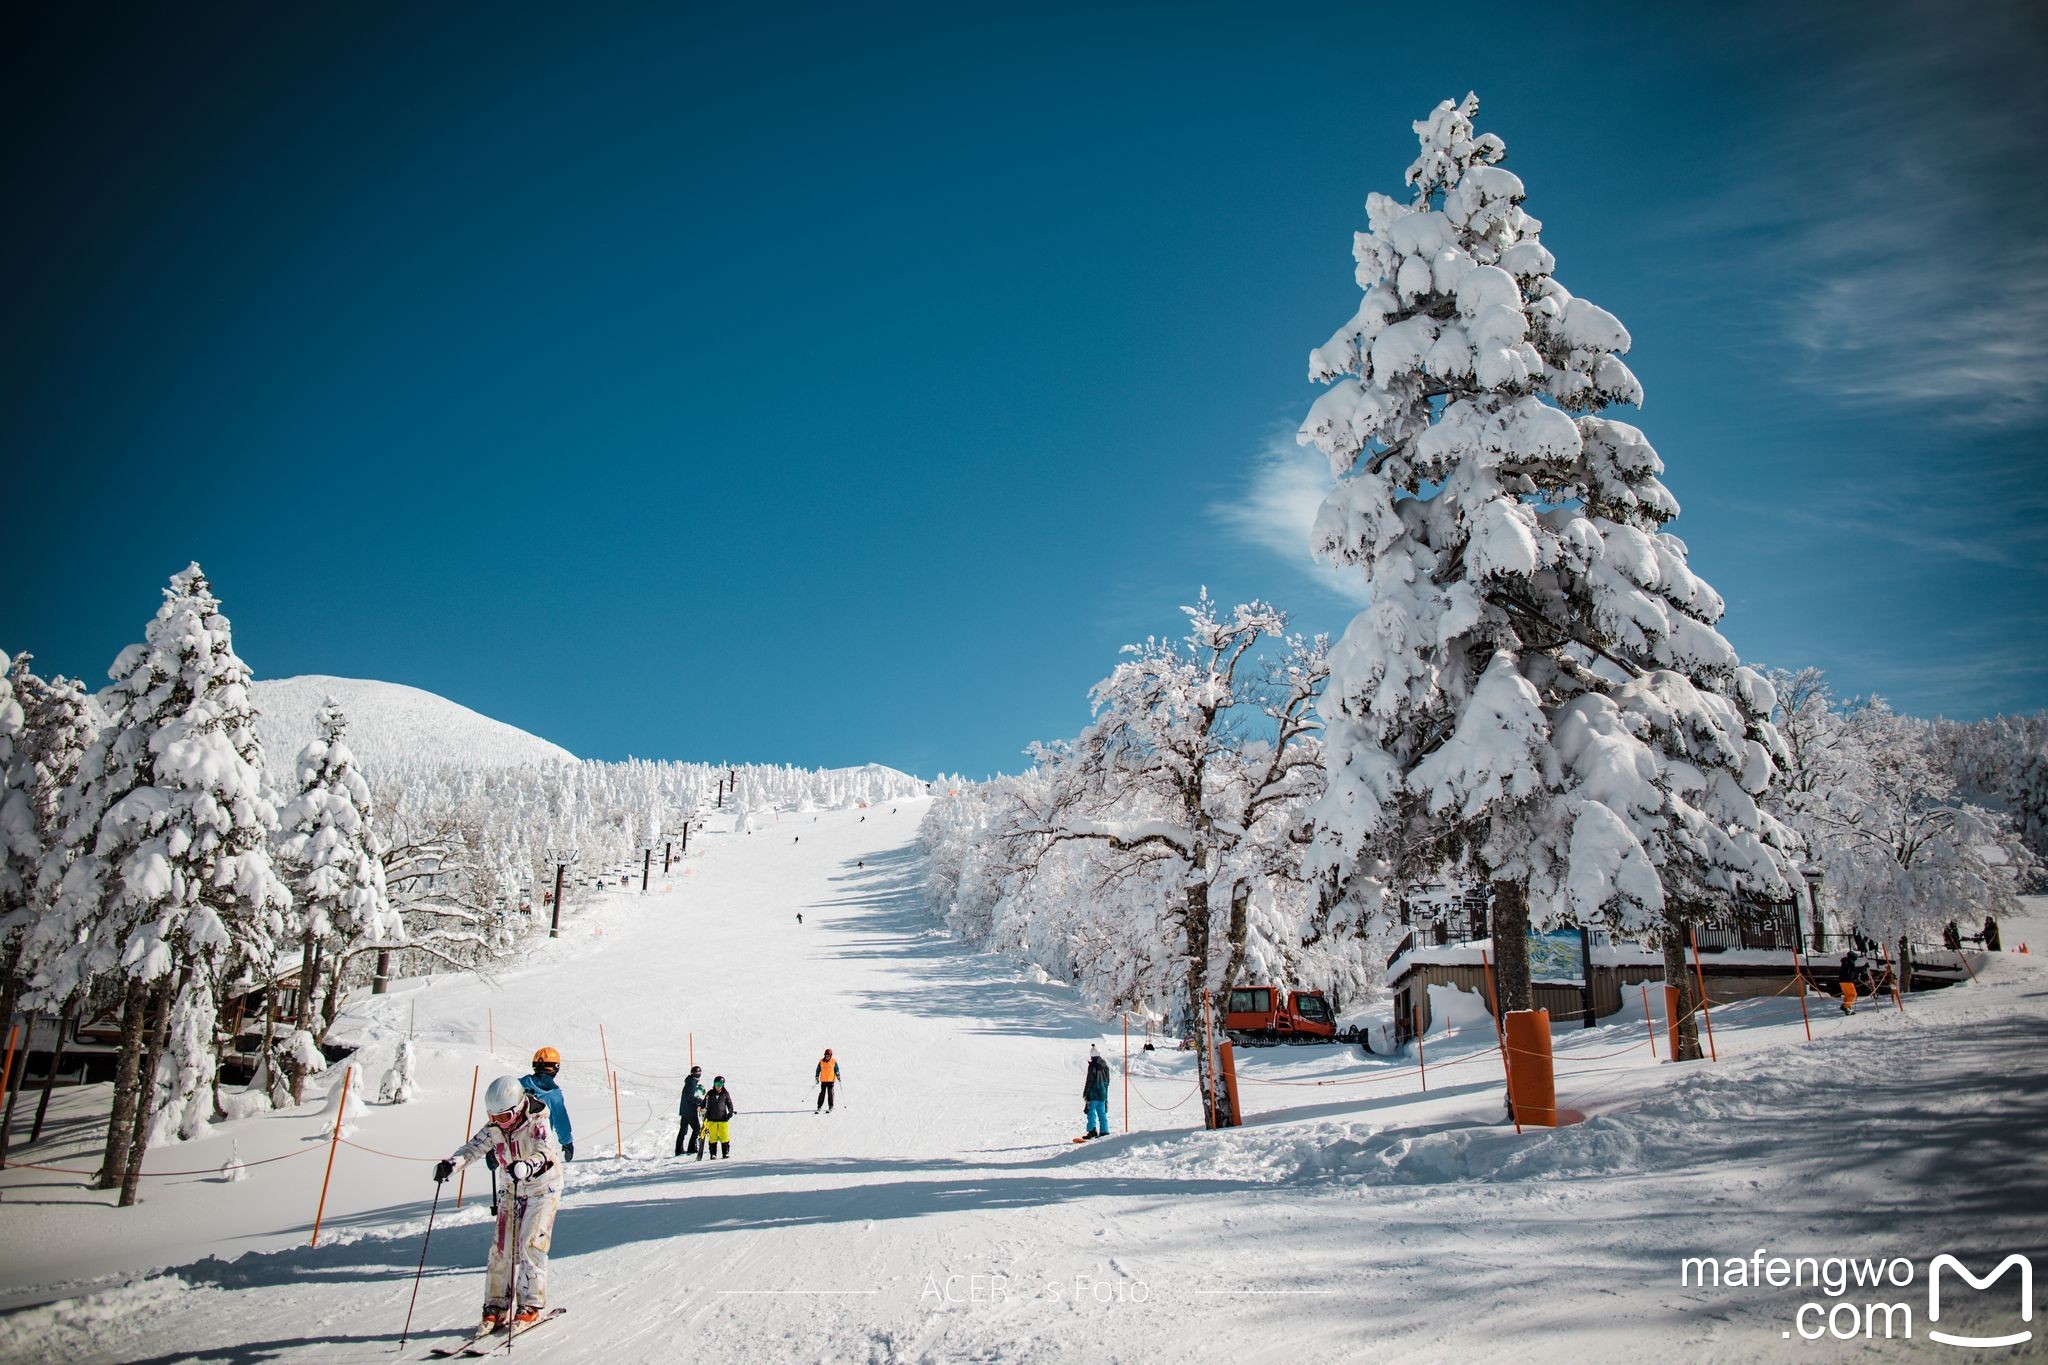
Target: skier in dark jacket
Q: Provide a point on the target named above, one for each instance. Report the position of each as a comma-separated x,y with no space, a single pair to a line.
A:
1848,977
1095,1095
718,1112
690,1132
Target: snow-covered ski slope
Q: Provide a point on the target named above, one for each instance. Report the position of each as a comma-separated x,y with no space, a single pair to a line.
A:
390,725
942,1214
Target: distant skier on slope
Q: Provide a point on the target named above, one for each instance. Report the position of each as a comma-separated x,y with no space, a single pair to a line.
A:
692,1111
517,1135
1847,977
718,1112
828,1081
547,1064
1095,1095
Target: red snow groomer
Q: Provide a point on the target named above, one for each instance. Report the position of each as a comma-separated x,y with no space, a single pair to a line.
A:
1266,1014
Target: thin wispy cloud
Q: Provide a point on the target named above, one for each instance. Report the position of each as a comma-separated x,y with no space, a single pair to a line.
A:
1276,508
1906,171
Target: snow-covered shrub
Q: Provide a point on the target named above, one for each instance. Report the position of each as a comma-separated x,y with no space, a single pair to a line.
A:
398,1085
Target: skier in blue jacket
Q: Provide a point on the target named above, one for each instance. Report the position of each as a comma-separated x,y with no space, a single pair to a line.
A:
547,1064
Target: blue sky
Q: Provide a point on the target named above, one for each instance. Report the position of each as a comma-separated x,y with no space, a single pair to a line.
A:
848,385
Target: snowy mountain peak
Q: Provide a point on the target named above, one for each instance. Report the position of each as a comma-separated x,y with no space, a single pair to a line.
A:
390,723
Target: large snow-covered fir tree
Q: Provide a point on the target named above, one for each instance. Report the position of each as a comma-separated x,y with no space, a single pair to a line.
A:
333,860
1512,540
171,886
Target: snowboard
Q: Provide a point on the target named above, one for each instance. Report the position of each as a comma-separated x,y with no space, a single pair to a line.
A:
484,1343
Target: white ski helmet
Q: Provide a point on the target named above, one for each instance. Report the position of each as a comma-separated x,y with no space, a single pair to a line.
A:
504,1096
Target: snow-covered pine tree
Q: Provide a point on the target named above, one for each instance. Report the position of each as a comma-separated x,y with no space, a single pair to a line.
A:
332,858
1512,541
172,885
57,723
17,836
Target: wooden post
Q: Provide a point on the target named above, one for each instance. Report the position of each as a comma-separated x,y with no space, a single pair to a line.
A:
380,982
1127,1073
333,1145
667,852
1421,1062
1700,975
467,1130
1586,973
6,1075
555,925
35,1130
1648,1023
13,1084
685,849
1205,1073
1500,1034
646,868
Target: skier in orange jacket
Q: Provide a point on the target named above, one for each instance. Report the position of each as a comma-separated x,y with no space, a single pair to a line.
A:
828,1080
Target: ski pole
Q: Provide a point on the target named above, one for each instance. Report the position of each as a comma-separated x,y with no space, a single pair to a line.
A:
414,1301
512,1304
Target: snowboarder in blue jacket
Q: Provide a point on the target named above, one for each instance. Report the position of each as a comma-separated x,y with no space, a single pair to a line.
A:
1095,1095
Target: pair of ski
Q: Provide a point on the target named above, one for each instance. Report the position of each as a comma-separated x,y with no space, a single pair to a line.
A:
495,1340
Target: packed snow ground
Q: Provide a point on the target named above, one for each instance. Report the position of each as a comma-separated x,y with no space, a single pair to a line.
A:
942,1213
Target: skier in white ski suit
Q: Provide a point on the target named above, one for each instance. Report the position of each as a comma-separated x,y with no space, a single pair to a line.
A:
518,1136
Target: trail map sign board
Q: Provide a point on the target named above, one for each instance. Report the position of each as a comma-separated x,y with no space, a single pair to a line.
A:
1558,956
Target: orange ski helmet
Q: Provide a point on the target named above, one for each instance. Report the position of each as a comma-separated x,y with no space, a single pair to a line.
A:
547,1056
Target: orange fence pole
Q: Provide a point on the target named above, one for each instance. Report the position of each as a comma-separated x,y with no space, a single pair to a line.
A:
1799,969
1415,1012
1898,1003
693,1049
1127,1073
1959,957
1700,975
1649,1023
618,1128
333,1146
1500,1034
468,1129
